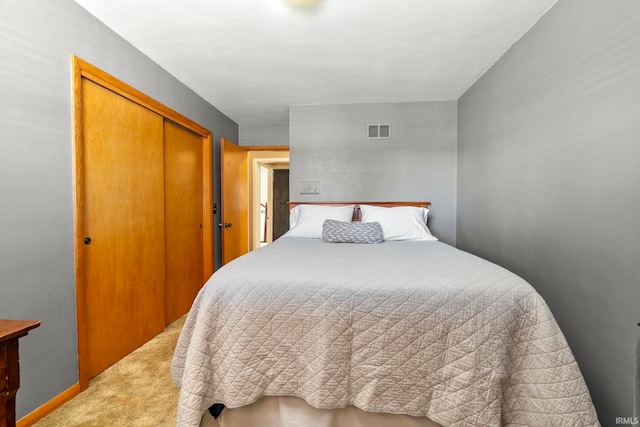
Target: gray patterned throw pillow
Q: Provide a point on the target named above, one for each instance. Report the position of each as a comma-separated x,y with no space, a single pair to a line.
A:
351,232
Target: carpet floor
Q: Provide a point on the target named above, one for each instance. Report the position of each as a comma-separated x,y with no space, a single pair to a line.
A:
136,391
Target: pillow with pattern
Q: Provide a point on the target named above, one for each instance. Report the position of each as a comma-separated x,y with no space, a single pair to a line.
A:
351,232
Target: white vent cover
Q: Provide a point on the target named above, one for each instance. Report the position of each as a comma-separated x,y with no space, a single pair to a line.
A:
379,131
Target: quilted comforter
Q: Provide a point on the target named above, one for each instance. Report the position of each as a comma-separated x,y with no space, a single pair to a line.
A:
416,328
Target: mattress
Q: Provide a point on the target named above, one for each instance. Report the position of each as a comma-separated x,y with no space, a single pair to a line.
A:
415,328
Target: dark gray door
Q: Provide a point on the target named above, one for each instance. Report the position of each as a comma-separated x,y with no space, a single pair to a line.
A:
280,199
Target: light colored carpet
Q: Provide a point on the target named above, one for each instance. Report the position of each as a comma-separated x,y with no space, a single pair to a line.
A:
136,391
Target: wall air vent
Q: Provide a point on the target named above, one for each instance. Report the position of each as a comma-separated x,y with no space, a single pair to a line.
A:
378,131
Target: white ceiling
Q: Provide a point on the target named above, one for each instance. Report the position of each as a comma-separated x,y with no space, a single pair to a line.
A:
252,59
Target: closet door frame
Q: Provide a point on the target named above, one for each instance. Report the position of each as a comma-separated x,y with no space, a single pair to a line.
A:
83,70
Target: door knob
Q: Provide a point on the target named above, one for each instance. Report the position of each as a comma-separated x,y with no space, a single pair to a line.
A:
225,225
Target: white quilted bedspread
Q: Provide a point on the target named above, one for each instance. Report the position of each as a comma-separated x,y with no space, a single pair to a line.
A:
417,328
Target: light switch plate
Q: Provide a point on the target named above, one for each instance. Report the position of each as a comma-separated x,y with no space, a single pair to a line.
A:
311,186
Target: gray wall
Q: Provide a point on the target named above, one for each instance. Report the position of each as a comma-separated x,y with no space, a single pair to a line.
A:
36,186
329,143
549,180
270,132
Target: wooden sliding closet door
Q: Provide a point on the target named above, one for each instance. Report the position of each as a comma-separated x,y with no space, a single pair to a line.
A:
124,225
183,218
143,219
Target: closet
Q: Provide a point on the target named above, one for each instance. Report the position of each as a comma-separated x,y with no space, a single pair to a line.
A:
143,227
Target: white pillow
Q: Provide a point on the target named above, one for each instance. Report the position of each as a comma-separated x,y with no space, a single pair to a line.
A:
399,223
307,220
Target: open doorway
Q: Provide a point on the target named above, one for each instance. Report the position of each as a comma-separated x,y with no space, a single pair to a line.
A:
274,195
268,211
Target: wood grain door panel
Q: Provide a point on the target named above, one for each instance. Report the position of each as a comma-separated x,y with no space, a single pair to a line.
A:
124,220
184,220
235,200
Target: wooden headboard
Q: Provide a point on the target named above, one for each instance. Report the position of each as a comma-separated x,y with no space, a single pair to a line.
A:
356,209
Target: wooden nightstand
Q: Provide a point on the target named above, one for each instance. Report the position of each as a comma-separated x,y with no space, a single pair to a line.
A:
10,332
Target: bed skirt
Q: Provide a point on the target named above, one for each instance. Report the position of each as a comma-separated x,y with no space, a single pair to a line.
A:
288,411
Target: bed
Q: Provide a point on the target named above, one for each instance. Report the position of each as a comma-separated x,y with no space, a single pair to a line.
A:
360,313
